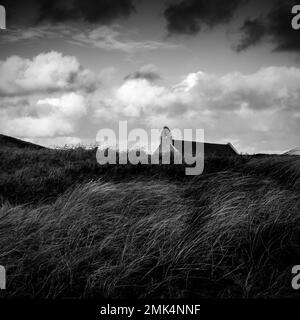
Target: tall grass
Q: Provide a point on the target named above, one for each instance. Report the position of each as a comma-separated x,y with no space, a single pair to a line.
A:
148,231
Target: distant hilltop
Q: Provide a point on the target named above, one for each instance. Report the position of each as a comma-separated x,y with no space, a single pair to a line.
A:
293,152
7,141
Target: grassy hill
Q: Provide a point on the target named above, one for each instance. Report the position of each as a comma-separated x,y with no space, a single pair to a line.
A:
72,228
7,141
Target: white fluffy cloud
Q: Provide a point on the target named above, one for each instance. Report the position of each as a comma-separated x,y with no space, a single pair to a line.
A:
47,72
139,96
70,106
269,88
52,96
45,96
258,112
47,117
37,127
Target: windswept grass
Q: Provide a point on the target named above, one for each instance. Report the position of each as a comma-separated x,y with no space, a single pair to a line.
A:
148,231
284,169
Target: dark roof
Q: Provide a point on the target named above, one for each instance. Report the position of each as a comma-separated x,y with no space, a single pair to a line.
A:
209,148
7,141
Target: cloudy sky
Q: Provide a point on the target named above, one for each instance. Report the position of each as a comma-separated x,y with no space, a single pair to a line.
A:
69,68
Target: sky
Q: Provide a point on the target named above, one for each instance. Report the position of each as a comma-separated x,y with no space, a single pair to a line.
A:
69,68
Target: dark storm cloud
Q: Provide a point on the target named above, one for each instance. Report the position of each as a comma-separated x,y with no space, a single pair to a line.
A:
275,26
150,76
253,31
189,16
94,11
147,72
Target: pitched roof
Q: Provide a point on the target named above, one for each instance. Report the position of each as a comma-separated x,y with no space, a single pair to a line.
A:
209,148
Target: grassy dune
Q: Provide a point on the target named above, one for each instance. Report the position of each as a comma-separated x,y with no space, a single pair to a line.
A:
72,228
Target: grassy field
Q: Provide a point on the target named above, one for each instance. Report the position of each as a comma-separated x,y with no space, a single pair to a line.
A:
72,228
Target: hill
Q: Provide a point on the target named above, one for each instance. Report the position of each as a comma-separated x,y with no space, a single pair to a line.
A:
72,228
10,142
295,152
